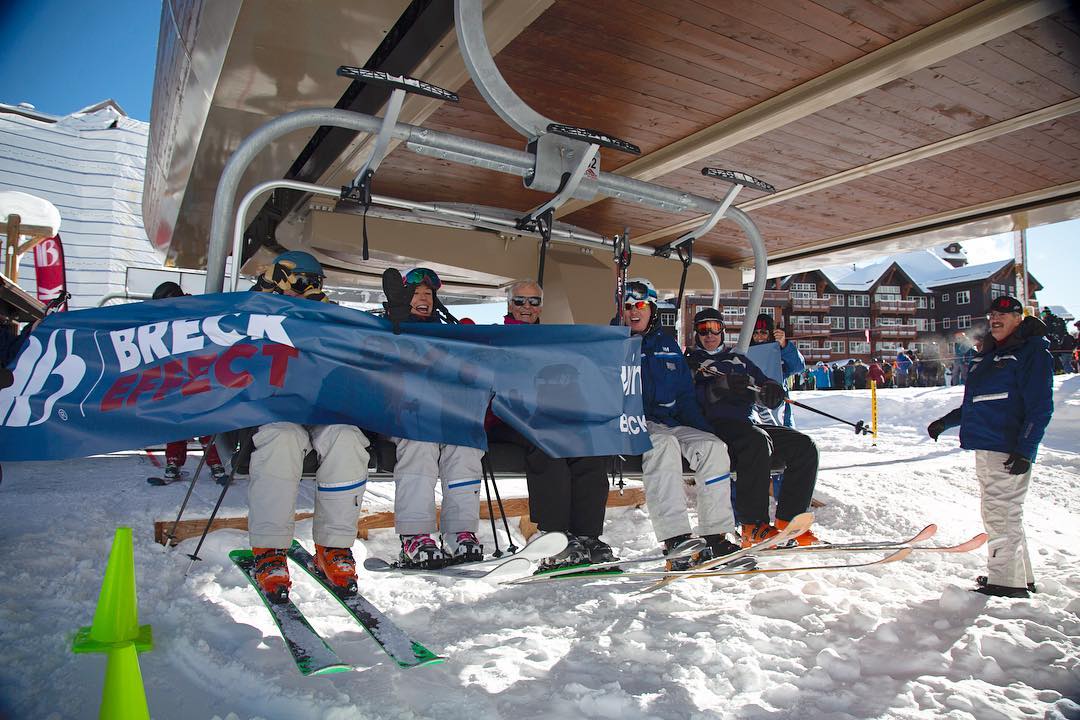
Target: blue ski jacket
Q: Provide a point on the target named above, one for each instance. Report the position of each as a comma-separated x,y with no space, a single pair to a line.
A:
728,362
1009,395
666,384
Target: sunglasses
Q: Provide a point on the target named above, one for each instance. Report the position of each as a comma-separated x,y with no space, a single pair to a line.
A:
423,276
709,328
302,282
635,305
520,300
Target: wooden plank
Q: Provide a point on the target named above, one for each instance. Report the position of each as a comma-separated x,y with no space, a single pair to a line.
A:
872,16
515,507
833,24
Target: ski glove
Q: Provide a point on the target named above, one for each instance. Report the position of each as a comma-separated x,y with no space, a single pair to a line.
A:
771,395
1017,464
935,428
398,298
728,387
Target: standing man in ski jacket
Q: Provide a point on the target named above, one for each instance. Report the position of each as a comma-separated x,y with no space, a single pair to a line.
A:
903,367
176,451
723,381
791,360
876,374
421,464
677,429
1008,401
567,495
822,376
277,462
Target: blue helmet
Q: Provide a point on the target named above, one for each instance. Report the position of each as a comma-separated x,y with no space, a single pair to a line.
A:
298,261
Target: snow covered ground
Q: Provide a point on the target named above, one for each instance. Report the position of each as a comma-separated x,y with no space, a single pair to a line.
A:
902,641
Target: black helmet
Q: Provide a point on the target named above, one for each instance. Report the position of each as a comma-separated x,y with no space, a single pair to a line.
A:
168,289
708,314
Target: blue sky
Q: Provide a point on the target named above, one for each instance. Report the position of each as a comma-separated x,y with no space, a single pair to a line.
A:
63,55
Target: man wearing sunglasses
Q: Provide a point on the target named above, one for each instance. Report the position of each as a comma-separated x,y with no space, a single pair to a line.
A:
677,429
567,495
421,464
277,462
1008,402
729,385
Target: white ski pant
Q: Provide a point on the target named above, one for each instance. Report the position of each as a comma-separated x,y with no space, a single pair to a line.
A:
665,492
1003,515
277,461
418,466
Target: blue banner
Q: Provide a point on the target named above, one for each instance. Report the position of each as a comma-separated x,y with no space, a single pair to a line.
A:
123,377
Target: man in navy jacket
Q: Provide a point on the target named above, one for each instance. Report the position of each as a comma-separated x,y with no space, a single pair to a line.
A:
1008,401
677,428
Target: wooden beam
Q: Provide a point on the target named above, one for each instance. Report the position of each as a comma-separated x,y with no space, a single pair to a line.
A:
514,507
982,134
959,32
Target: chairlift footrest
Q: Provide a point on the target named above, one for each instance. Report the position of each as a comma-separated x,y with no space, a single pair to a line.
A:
409,84
738,178
594,137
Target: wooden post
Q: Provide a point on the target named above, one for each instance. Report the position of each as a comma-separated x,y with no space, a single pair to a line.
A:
11,264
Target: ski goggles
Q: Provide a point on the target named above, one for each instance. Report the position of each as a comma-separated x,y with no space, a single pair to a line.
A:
520,300
639,291
709,327
423,276
302,282
635,305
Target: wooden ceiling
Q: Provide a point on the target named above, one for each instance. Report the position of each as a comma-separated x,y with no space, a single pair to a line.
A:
658,71
874,119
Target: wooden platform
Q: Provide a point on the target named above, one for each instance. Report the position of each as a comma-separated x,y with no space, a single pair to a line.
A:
514,507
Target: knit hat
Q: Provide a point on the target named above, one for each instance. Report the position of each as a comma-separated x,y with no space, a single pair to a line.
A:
168,289
764,322
1006,304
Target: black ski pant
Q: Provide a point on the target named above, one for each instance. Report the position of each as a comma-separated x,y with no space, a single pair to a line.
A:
753,449
565,494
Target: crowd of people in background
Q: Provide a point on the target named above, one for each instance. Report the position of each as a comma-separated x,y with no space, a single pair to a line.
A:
930,368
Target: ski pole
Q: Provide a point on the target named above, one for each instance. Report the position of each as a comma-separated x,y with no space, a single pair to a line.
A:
198,470
491,508
246,448
511,548
860,426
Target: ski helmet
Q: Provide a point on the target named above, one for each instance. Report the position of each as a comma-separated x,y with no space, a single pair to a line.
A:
298,271
168,289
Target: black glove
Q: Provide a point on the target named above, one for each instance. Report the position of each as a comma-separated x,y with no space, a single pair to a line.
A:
935,428
729,388
398,298
1017,464
771,395
6,378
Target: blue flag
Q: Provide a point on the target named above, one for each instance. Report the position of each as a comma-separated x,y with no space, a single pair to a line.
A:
123,377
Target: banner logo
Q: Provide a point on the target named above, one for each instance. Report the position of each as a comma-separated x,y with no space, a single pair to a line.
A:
38,366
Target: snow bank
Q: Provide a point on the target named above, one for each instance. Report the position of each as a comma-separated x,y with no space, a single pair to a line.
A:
902,641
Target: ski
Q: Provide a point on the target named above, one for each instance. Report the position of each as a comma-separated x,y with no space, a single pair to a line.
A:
159,481
689,547
309,651
798,525
402,649
973,543
515,567
892,557
543,546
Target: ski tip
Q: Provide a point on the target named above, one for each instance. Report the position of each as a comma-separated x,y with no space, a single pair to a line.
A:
898,555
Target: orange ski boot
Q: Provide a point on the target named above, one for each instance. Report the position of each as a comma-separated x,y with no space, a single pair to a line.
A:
272,573
753,533
807,538
339,566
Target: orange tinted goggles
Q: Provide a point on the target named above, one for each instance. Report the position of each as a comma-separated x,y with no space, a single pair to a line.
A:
709,327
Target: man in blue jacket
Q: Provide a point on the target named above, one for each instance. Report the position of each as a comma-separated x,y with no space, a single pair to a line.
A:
723,380
1008,401
677,428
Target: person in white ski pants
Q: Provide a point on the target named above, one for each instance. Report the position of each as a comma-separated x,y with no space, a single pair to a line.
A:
419,466
277,462
665,491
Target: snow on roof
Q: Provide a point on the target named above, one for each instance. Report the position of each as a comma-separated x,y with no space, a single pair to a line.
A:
1061,312
969,273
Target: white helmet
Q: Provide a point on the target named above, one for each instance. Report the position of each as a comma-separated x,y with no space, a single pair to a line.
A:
640,289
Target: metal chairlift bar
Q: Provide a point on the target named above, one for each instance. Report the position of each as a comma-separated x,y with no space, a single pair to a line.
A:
382,140
520,162
567,190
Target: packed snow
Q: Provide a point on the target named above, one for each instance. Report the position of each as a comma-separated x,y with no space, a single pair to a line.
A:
906,640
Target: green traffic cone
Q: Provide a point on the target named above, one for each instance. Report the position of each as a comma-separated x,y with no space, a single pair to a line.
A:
116,620
123,697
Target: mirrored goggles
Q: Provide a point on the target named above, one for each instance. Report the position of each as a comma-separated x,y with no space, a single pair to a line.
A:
423,276
709,327
635,305
302,282
638,291
520,300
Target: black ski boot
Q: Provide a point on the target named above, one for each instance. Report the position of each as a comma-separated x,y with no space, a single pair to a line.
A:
982,585
685,562
574,554
598,550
